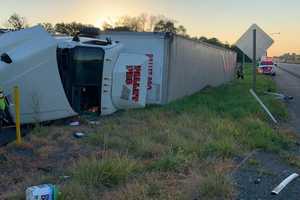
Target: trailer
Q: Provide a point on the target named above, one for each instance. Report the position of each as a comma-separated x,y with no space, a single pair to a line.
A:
61,77
177,66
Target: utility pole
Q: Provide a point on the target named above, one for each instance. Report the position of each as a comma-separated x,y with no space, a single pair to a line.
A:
254,60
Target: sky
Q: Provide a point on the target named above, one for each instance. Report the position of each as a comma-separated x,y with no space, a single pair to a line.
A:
225,19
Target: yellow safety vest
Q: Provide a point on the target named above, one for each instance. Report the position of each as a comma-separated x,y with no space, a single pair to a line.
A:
2,104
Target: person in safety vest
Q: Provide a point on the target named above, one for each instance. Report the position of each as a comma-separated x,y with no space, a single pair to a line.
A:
3,108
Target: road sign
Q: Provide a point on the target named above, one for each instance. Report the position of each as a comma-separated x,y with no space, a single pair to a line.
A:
263,42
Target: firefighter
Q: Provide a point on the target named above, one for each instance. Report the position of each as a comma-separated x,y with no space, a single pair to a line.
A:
240,71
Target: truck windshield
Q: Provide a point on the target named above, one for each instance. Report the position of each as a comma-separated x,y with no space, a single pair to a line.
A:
87,64
81,73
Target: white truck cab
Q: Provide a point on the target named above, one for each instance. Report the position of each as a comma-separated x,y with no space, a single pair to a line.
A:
61,77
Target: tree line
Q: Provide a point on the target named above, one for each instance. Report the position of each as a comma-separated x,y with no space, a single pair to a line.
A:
140,23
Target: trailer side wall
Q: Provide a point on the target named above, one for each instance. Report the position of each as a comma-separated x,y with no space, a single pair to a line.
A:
180,66
194,66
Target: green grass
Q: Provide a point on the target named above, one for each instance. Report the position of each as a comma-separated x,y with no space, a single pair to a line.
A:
216,186
109,171
171,161
210,127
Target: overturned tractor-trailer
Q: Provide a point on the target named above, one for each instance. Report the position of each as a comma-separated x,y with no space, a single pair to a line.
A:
61,77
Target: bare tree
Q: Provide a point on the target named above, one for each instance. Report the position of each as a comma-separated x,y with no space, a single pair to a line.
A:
145,22
170,26
142,21
107,26
16,22
71,28
153,20
48,27
181,30
165,26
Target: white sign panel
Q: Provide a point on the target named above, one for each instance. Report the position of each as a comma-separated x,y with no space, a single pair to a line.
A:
263,42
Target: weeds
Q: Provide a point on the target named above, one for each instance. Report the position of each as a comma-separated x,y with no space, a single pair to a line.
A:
216,185
108,172
171,161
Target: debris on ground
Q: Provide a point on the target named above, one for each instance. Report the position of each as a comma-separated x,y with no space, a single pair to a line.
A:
263,106
271,170
257,181
76,123
280,96
79,135
94,122
284,183
45,169
41,192
65,177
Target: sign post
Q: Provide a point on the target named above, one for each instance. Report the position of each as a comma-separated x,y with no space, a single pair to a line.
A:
254,61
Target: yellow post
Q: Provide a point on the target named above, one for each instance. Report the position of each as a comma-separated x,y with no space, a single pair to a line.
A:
17,110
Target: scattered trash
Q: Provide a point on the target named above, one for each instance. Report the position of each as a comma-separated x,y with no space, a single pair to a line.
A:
75,123
65,177
263,106
79,135
280,96
45,169
42,192
94,122
257,181
284,183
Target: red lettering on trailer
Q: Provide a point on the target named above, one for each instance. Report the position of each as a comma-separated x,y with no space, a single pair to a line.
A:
150,70
133,77
129,75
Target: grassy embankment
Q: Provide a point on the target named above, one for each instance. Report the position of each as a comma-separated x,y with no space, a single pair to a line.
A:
184,150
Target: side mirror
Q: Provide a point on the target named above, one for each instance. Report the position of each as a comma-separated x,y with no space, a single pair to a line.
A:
5,58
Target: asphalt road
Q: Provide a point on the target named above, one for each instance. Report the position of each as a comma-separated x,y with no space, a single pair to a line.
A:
288,81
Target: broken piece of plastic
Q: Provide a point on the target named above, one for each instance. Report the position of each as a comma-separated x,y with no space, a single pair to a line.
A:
94,122
284,183
280,96
79,135
75,123
263,106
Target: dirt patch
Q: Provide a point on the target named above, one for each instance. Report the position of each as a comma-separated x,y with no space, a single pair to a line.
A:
42,158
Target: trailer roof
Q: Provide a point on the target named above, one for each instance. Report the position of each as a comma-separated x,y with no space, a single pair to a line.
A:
162,35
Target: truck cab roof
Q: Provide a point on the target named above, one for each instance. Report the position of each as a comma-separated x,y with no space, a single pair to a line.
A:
68,42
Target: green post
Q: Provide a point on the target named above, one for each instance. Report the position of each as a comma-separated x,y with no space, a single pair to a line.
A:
254,61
